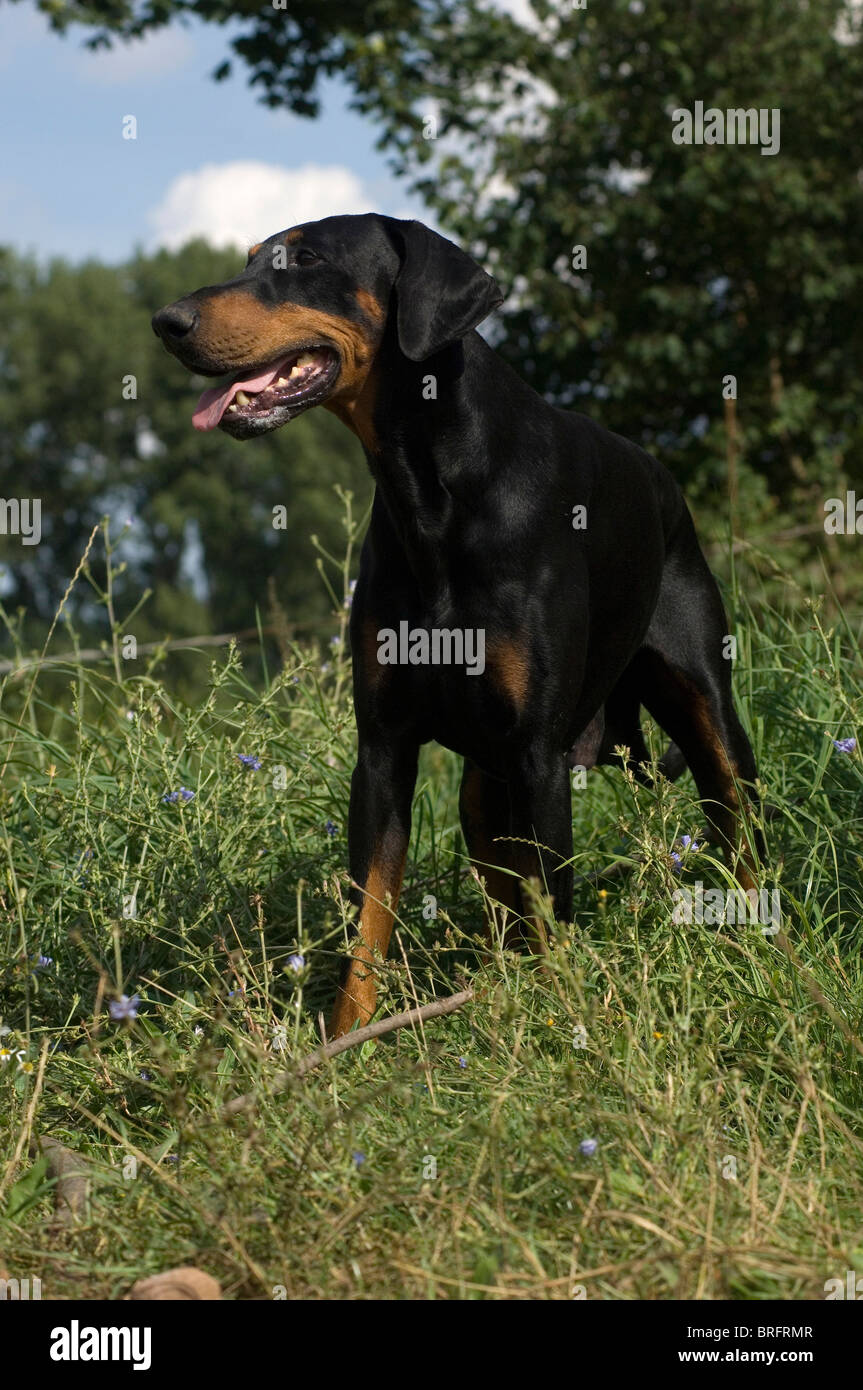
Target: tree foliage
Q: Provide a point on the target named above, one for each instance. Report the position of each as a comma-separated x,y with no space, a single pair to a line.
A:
702,261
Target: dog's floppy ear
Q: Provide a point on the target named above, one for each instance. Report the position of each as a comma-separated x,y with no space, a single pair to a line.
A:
441,293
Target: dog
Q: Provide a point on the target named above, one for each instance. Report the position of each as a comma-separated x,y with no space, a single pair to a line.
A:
567,553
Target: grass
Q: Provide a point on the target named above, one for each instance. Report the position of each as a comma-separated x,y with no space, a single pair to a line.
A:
717,1070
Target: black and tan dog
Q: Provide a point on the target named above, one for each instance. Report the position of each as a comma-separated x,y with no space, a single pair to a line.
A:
566,551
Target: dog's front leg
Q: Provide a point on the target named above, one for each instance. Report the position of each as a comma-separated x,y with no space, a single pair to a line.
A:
379,827
542,835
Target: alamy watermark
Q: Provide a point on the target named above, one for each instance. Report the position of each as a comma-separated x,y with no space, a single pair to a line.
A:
20,1290
714,907
843,516
77,1343
437,646
735,126
21,516
851,1287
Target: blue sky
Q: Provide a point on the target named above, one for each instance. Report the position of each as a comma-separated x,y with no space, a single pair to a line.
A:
207,155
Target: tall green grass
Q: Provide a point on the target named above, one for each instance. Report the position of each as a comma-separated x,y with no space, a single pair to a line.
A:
717,1070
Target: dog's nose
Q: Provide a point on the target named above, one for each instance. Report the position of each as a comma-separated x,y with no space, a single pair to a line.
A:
174,322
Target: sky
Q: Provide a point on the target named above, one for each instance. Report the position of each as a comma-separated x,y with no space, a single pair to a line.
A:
208,158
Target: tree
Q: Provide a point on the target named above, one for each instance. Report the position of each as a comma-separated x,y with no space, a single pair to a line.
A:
702,262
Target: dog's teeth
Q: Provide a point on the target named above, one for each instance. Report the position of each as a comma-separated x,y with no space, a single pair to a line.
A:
242,398
282,381
232,407
306,359
296,371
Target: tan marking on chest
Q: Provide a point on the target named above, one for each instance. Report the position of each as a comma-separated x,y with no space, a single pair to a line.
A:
373,669
509,665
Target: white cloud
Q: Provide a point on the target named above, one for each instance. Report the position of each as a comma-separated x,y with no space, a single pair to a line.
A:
245,201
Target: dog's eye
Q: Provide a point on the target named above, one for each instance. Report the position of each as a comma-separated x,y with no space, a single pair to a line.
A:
306,257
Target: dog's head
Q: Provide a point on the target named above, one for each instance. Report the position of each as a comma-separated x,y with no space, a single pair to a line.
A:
304,322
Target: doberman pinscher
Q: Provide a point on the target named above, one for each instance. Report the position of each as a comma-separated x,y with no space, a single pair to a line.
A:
563,557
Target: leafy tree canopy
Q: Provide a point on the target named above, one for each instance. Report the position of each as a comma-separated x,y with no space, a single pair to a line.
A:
701,261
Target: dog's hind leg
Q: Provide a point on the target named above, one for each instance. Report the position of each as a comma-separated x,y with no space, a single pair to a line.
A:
622,729
685,682
524,826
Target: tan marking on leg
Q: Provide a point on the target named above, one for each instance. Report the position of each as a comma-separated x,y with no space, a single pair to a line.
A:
357,997
736,850
533,928
710,736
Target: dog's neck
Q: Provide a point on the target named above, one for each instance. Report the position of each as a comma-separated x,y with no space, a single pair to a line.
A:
428,458
428,448
436,441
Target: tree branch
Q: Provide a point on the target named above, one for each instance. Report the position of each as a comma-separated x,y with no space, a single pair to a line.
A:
85,654
438,1009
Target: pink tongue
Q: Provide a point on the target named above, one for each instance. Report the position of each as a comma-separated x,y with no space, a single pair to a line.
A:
216,399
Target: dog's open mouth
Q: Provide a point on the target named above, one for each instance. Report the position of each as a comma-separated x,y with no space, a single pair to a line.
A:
268,398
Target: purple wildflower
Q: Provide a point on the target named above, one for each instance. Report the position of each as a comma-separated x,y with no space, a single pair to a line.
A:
297,963
124,1007
358,1157
183,793
331,828
844,745
249,760
588,1147
686,843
